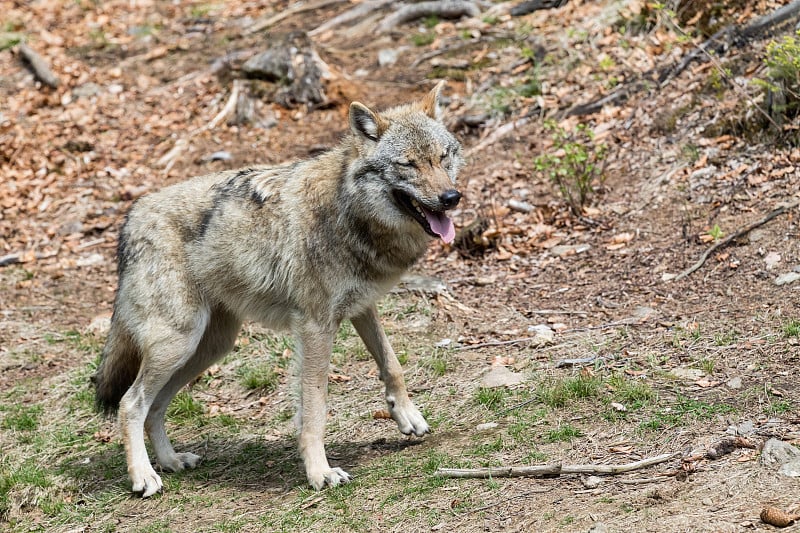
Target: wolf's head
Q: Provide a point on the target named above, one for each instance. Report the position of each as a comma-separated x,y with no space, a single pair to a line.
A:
408,165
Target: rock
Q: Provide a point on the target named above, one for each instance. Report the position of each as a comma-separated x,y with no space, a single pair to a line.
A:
388,56
543,335
688,374
791,469
91,260
734,383
591,482
563,250
772,259
487,426
444,343
576,361
778,452
272,65
789,277
500,376
598,527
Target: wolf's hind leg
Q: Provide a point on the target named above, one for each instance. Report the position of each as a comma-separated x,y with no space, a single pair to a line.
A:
218,339
404,412
166,351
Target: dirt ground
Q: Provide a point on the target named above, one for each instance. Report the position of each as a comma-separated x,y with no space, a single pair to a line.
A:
640,364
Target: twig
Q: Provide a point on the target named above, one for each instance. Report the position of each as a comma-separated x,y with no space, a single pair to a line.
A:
24,257
358,12
168,159
553,470
498,134
38,65
738,233
444,9
294,10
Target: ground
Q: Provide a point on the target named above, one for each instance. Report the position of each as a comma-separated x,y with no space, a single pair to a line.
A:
642,362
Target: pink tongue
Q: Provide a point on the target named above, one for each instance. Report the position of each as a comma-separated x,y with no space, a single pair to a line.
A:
441,225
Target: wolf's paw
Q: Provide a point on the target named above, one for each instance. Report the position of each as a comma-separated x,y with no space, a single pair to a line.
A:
330,477
409,419
145,480
179,461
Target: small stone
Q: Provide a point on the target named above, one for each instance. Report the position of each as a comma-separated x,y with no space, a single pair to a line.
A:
785,279
543,335
598,527
791,469
444,343
591,482
688,374
778,452
91,260
734,383
563,250
745,428
486,427
500,376
388,56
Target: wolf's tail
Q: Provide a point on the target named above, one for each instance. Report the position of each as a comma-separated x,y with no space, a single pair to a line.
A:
118,368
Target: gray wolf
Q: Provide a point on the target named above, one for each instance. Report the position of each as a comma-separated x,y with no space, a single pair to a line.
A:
300,246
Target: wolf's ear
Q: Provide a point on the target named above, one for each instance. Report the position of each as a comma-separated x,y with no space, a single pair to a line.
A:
365,122
430,104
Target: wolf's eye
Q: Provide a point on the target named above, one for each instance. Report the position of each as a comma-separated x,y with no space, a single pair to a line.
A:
445,160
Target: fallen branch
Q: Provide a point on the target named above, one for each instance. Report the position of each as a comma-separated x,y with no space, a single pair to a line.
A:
294,10
448,9
24,257
356,13
552,470
738,233
38,65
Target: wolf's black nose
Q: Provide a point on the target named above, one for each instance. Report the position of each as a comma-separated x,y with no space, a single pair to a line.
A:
450,198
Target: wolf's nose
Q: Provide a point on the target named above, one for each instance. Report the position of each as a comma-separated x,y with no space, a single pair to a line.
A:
450,198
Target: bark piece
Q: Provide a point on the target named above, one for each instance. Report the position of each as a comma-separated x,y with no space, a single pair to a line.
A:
38,66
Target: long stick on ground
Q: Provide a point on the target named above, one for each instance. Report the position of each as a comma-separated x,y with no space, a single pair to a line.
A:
741,231
552,470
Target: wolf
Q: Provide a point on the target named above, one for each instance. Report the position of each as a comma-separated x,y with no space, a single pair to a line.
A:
300,247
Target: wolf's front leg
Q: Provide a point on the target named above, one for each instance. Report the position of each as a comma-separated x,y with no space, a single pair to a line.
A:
402,409
316,344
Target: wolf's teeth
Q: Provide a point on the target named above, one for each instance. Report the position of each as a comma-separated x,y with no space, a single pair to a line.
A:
414,203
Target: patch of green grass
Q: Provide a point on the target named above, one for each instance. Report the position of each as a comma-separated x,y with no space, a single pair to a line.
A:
632,393
778,408
184,407
262,377
491,398
726,338
22,417
423,39
431,21
533,457
558,393
437,364
563,433
683,411
792,328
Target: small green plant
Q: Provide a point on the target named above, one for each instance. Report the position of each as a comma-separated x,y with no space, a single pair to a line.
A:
792,328
437,364
423,39
559,393
22,418
782,88
574,164
563,433
261,377
184,407
491,398
716,232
